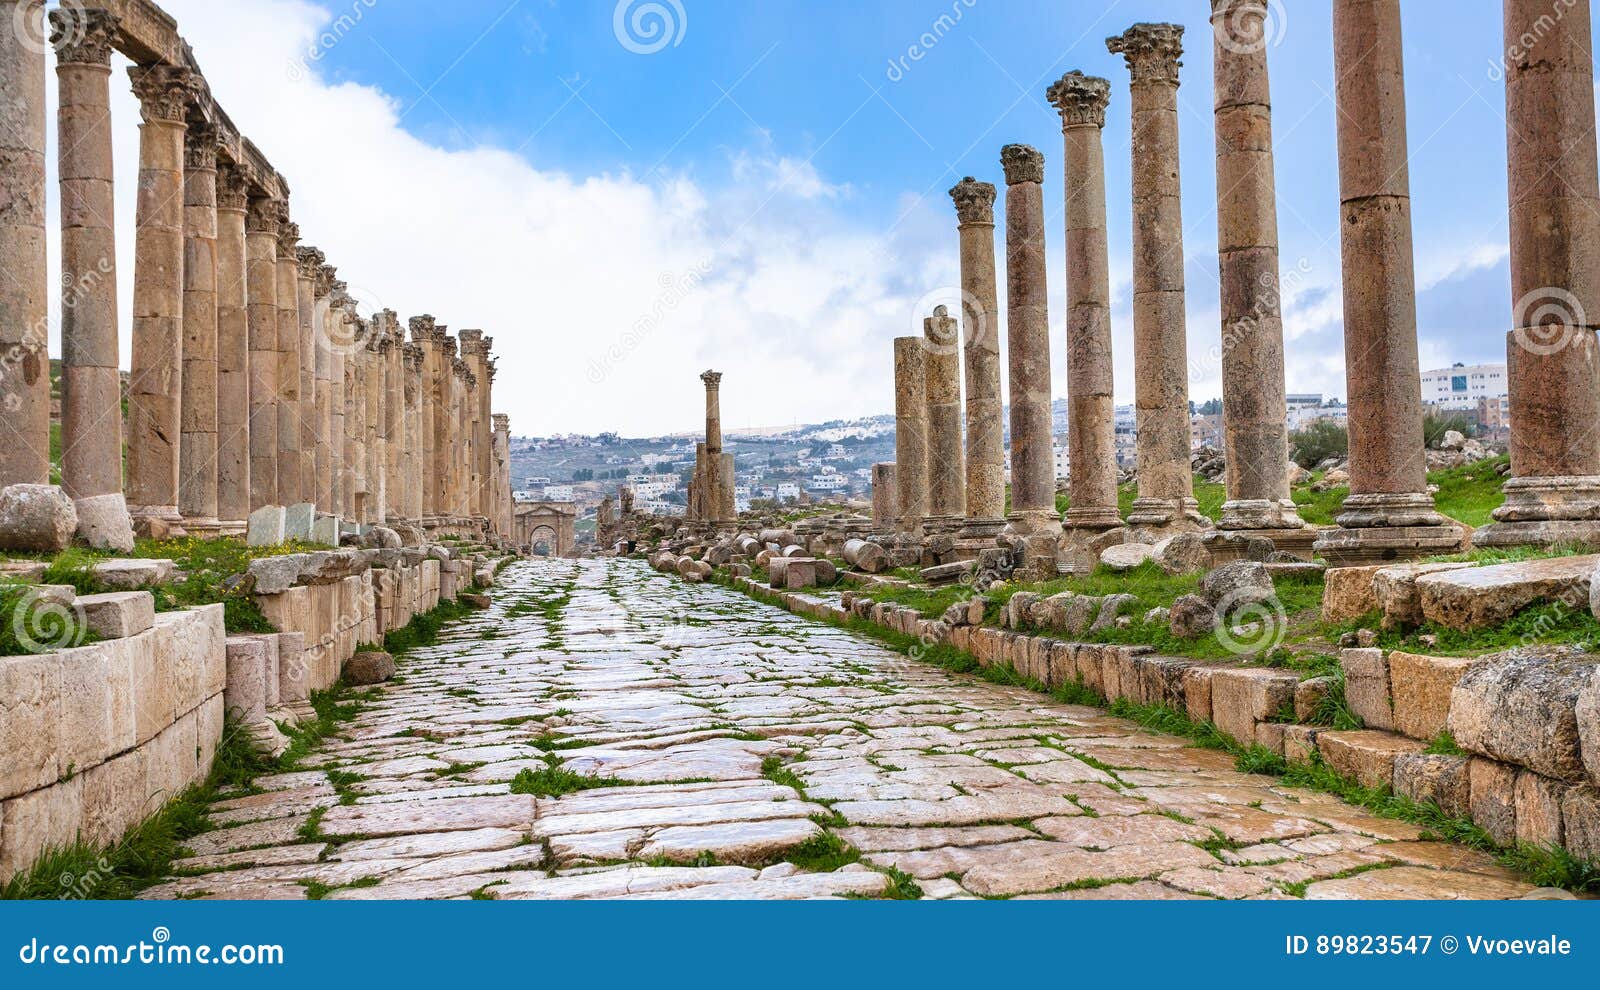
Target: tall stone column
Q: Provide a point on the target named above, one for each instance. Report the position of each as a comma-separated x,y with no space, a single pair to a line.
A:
372,416
1552,362
24,292
980,315
491,371
716,496
1166,502
475,349
444,427
947,500
885,498
461,385
341,328
1034,524
394,439
288,299
355,425
323,315
308,260
1255,413
91,420
911,433
422,330
261,225
413,363
155,380
1390,512
1091,416
502,483
197,458
233,351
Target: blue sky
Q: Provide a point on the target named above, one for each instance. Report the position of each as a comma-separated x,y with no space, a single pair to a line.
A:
777,134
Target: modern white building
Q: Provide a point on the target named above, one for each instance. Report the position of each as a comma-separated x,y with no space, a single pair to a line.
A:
829,483
788,491
558,493
1463,385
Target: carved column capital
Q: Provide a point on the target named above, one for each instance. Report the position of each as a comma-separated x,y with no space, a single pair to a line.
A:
200,148
233,188
309,260
1081,99
1022,163
164,91
974,202
1153,52
265,215
712,380
84,36
288,240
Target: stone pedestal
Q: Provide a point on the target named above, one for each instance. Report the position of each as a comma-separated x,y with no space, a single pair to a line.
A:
1033,519
911,434
233,352
1390,514
91,421
947,503
1166,502
1254,409
980,315
197,467
1552,360
1091,417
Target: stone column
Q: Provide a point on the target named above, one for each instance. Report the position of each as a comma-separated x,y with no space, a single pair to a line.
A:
394,439
288,299
233,351
308,260
422,329
261,224
911,433
502,432
155,380
1091,415
1033,518
1390,512
323,315
462,382
986,456
475,349
1166,502
445,428
1255,412
91,419
372,417
355,426
341,325
197,457
885,498
947,501
717,496
24,292
413,362
1552,363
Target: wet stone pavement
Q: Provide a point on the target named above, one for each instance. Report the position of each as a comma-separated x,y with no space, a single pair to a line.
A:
707,709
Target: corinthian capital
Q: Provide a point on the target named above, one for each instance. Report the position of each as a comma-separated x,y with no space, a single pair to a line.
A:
1081,99
712,379
974,202
265,215
164,91
1153,52
84,36
1022,163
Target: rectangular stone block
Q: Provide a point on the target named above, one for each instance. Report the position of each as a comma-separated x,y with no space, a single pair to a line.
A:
1299,742
266,526
1396,591
1481,597
325,531
245,696
154,687
1348,593
1580,821
208,725
298,521
1367,689
294,671
119,614
1538,801
1494,798
1270,736
1063,665
86,731
1437,779
1521,708
1421,687
114,798
1366,756
1241,698
37,821
1197,693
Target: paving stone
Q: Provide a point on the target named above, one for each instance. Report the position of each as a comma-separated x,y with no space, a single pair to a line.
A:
1410,883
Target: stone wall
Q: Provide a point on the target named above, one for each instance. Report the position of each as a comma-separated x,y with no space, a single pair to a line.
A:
96,739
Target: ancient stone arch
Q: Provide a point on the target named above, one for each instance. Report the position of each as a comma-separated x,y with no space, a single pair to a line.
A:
551,523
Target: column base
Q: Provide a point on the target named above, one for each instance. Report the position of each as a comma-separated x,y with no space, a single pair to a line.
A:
205,527
1096,519
1248,514
1036,537
104,522
943,525
982,529
1167,516
1227,546
1382,527
1545,512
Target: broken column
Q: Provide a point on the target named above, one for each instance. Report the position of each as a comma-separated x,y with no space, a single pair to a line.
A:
1390,512
91,421
911,434
1166,502
1091,407
1552,362
885,499
233,351
261,223
1254,410
155,376
1033,525
947,503
197,460
985,452
24,292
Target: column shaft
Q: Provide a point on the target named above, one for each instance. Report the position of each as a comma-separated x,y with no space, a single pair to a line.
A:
197,481
262,292
288,356
947,502
1032,455
911,432
980,316
308,260
885,498
233,350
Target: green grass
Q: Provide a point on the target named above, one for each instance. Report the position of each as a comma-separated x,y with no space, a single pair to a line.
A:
31,624
930,602
1469,494
554,781
423,630
1209,494
1548,624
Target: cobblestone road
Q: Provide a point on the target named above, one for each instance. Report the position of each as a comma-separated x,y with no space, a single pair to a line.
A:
711,708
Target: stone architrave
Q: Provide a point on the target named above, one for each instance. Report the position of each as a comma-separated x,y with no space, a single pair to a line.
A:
197,462
1255,413
91,421
947,503
1553,365
155,380
1390,513
233,351
911,434
24,291
261,225
1033,521
1166,502
1091,405
980,316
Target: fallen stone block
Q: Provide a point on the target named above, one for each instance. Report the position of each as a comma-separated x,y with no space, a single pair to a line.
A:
118,614
1126,556
1521,708
133,574
370,667
299,521
1481,597
1185,553
1395,588
103,522
275,575
36,518
1366,756
266,526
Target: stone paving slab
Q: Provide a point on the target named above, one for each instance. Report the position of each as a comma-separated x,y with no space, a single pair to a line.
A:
710,738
